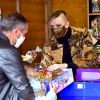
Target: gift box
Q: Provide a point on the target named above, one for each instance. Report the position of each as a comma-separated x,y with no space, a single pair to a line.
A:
63,80
88,75
59,78
81,91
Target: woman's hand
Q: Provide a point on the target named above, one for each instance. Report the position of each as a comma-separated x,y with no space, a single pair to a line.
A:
57,66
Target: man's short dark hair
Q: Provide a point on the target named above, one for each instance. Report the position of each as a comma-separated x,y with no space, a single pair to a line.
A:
13,20
57,13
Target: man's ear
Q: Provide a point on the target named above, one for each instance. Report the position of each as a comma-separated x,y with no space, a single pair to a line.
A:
16,32
67,24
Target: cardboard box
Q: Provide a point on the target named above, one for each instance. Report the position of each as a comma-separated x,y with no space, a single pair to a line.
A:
81,91
88,75
63,80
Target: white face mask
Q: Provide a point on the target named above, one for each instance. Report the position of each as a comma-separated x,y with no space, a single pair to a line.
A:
19,41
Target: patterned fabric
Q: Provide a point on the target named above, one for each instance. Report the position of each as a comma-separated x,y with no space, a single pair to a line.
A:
52,54
82,50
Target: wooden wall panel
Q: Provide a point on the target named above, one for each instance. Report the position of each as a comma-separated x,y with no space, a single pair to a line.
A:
76,11
7,6
35,13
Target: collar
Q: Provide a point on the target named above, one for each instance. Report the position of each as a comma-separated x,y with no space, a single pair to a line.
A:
4,37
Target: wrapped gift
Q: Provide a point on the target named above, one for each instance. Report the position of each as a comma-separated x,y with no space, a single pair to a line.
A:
59,78
31,55
63,80
44,75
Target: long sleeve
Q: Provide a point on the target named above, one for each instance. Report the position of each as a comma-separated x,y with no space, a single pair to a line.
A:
11,65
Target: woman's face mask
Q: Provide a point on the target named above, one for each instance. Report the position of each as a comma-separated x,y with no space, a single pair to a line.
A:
19,41
59,31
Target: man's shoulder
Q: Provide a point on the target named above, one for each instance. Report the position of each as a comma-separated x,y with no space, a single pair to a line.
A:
8,49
